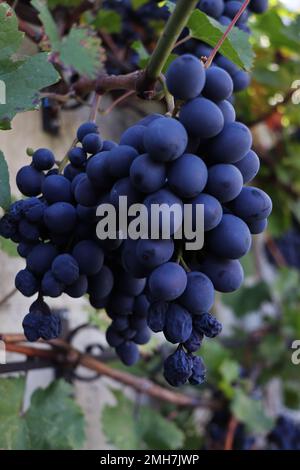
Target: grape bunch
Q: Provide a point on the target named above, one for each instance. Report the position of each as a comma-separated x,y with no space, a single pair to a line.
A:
139,24
201,156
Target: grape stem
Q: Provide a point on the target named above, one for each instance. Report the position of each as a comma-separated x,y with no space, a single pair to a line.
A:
177,21
226,33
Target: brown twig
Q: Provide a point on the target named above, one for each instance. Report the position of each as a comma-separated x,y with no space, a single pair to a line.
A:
183,40
229,440
8,296
95,107
73,357
226,33
119,100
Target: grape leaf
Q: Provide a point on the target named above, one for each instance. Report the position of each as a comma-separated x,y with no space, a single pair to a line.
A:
279,34
53,420
236,46
23,80
128,430
48,22
10,37
248,298
81,51
109,21
13,430
251,412
5,195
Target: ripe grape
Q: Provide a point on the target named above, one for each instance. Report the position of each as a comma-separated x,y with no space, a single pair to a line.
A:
186,77
187,176
43,159
201,117
165,139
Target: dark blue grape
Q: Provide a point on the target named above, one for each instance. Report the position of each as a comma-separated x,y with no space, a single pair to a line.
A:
24,248
57,188
89,257
33,209
121,304
207,324
202,118
130,285
157,314
8,227
258,6
177,368
142,336
29,181
167,282
241,80
108,145
29,231
65,269
85,193
60,217
198,371
218,85
230,239
78,288
226,275
141,306
187,176
113,337
257,226
212,211
86,128
199,294
38,325
178,325
101,284
92,143
77,157
120,160
224,182
252,204
167,222
51,286
146,174
232,144
124,187
165,139
185,77
212,8
228,111
40,258
43,159
26,283
98,172
130,262
153,253
248,166
71,171
128,353
232,8
193,343
134,137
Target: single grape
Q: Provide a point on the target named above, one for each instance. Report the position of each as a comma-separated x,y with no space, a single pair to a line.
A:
29,181
225,274
43,159
178,325
199,294
134,137
153,253
85,129
167,282
252,204
224,182
26,283
177,368
89,257
187,176
212,211
230,239
57,188
165,139
185,77
146,174
60,217
128,353
201,117
248,166
232,144
65,269
218,85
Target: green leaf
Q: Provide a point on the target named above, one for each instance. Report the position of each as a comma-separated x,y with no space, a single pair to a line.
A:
230,370
130,429
251,412
236,46
248,299
13,429
23,81
140,49
48,22
54,420
138,3
10,37
81,51
109,21
5,194
280,35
